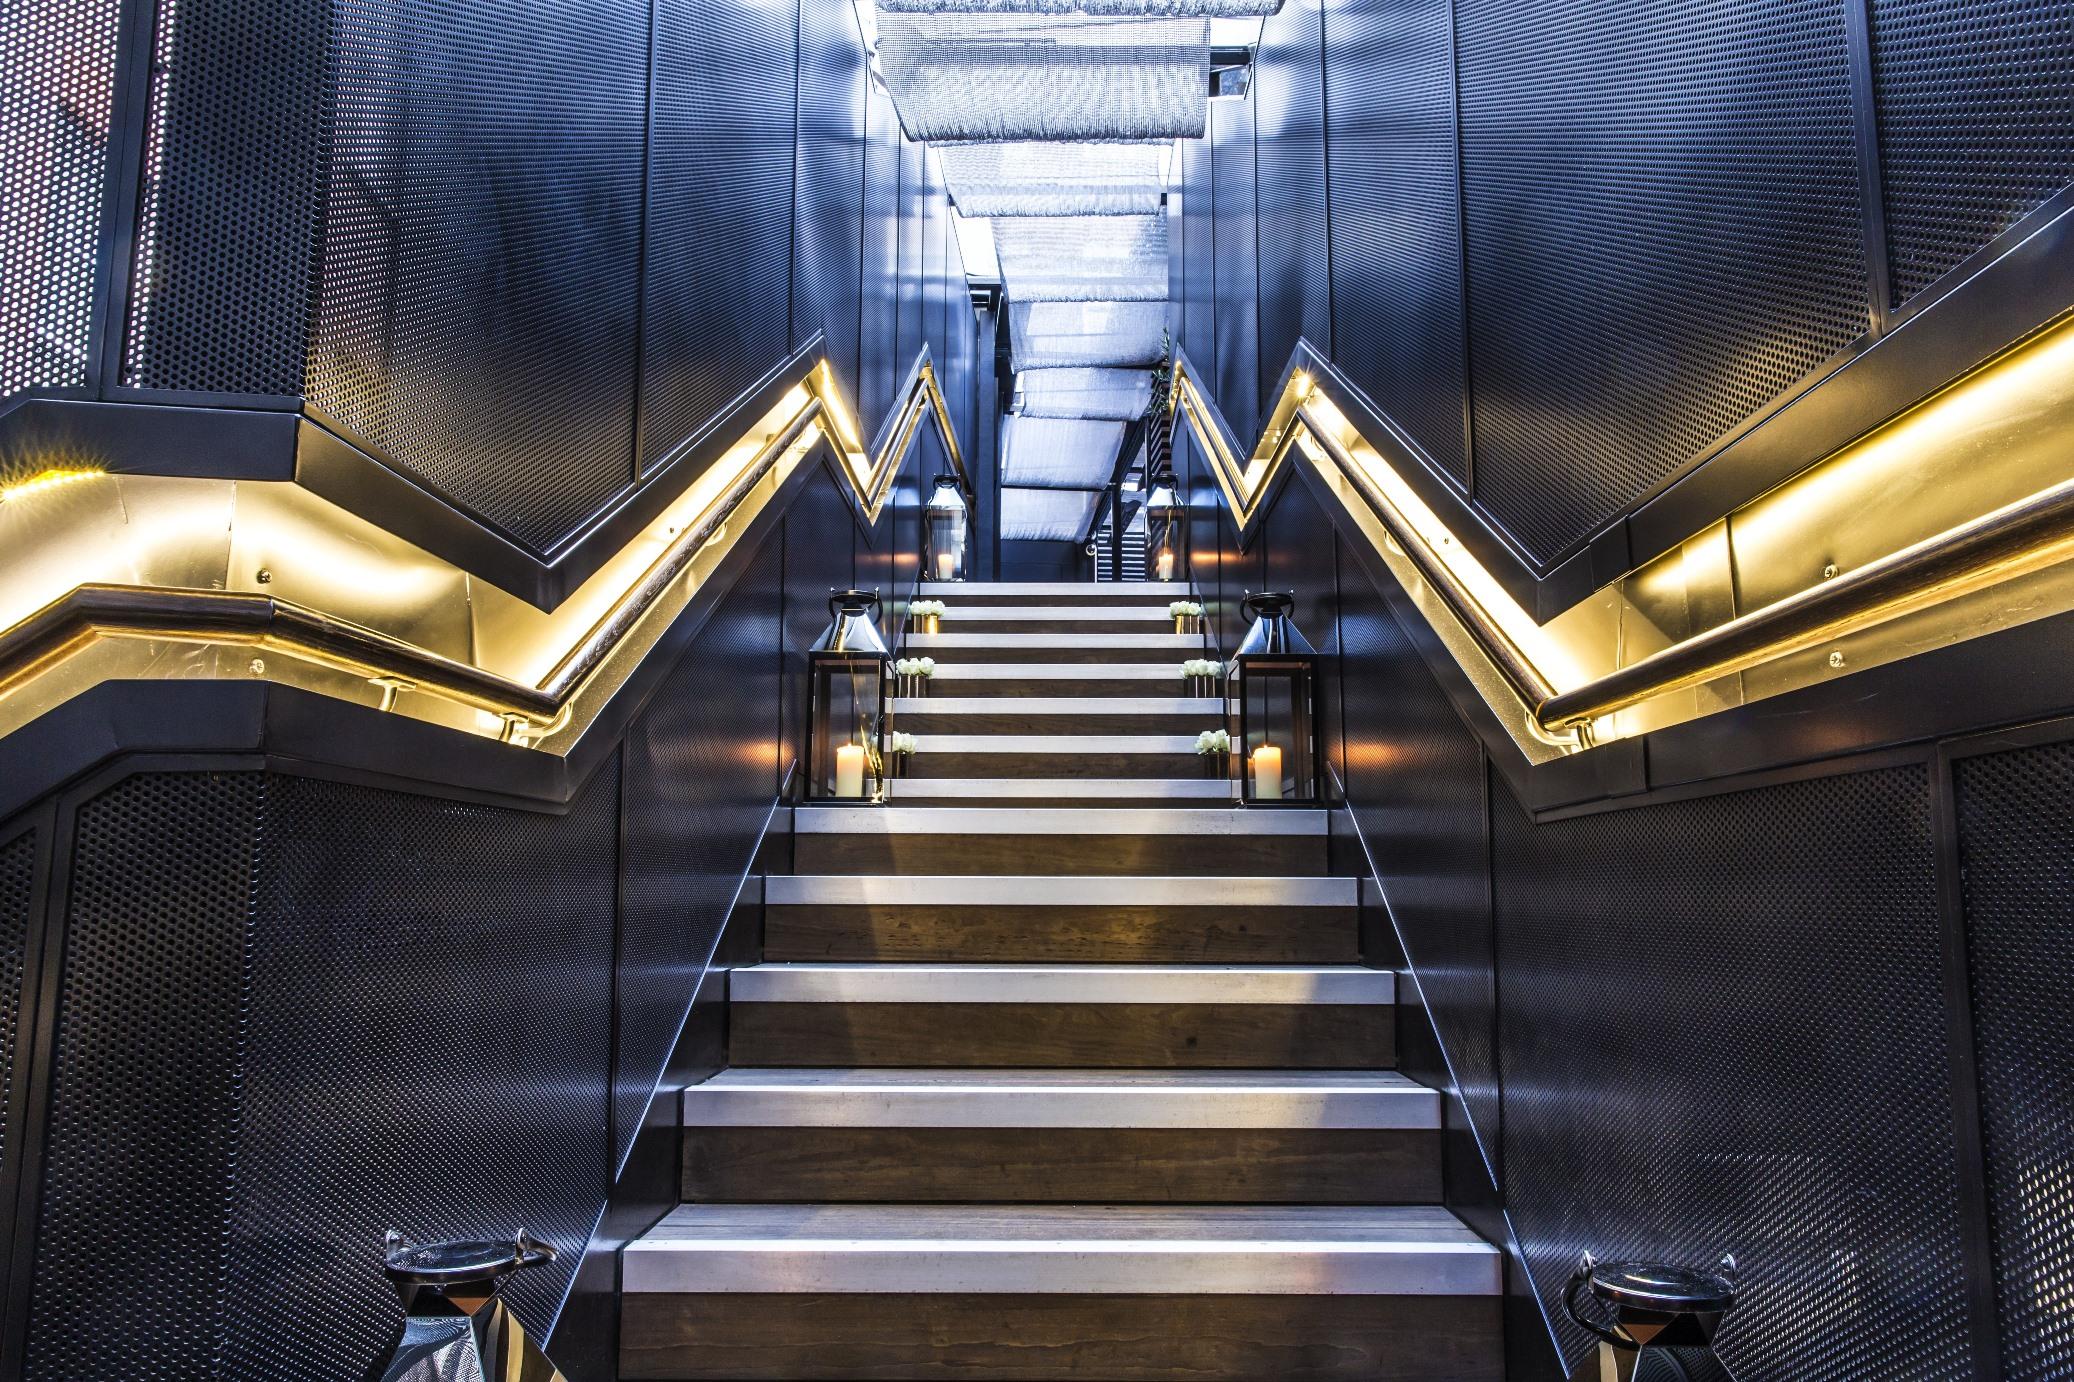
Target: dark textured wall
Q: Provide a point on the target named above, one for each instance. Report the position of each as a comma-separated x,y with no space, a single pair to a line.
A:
1575,248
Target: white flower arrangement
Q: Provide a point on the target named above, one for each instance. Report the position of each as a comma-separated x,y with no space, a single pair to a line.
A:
1185,609
900,741
915,667
925,609
1213,741
1202,667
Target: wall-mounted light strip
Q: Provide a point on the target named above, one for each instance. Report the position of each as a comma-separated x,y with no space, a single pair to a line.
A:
1957,518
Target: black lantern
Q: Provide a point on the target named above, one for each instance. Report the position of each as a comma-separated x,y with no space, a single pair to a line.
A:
1670,1310
948,524
454,1326
1271,701
848,666
1166,530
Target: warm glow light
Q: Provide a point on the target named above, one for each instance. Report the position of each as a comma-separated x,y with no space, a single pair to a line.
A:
1166,566
1267,772
849,770
44,480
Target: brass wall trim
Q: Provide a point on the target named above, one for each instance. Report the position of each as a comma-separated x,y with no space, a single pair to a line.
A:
1957,518
526,676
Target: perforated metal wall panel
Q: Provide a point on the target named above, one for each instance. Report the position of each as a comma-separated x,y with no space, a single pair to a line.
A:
1663,237
719,245
143,1124
701,769
1395,218
59,56
1976,117
1198,335
476,310
17,890
426,1046
2016,834
1235,259
828,248
820,543
914,216
1289,106
1723,1031
1415,781
232,185
1298,555
881,285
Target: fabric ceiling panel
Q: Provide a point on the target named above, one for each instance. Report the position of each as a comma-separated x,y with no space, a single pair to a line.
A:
1058,335
1121,394
1034,179
1058,452
1040,515
1083,258
1135,9
992,77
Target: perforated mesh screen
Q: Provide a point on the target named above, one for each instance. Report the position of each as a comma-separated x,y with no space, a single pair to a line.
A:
828,249
1060,76
59,57
880,308
1664,235
720,213
2016,830
1395,224
1976,106
1235,267
220,280
1084,258
17,888
1198,286
1289,108
477,303
133,1243
1723,1030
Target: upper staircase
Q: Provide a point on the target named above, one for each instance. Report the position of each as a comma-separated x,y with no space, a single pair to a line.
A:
1060,1066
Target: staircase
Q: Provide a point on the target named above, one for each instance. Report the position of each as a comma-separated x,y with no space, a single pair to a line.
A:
1059,1066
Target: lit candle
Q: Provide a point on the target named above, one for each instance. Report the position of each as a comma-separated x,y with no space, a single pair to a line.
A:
945,561
849,771
1267,772
1166,565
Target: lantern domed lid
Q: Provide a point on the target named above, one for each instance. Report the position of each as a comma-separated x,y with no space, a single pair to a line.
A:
1162,496
1661,1287
462,1262
852,630
948,494
1272,632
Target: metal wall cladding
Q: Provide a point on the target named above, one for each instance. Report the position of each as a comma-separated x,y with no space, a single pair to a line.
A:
232,190
914,216
427,1046
17,891
1289,100
701,772
1976,120
1235,265
1198,333
59,56
880,305
827,257
1415,783
134,1246
1724,1031
1395,218
1298,554
820,556
1664,236
719,257
2016,834
476,313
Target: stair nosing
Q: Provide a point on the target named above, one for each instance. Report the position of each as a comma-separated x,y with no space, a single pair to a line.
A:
1209,822
1062,890
1053,984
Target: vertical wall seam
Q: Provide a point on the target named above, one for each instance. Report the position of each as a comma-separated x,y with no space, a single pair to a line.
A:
640,428
1454,68
1872,192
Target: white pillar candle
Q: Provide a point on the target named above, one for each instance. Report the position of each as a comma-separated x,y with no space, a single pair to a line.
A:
849,770
1166,566
1267,772
945,561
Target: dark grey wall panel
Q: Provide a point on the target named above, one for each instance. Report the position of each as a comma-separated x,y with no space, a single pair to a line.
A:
1198,299
2016,831
427,1046
479,269
1724,1030
1298,555
914,215
827,260
1976,120
880,305
820,541
1235,260
701,770
1394,217
1289,106
1664,236
17,893
719,254
220,288
60,59
143,1115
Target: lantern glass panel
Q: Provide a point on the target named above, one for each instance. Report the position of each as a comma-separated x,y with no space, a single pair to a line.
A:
1166,532
849,712
1277,729
947,523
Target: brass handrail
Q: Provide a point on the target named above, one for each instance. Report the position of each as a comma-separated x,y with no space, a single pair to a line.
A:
2008,542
